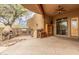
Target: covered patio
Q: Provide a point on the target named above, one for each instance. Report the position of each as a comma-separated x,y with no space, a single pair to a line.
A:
58,19
51,29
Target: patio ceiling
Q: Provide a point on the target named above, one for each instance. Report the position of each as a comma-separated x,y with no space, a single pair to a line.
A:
50,9
33,7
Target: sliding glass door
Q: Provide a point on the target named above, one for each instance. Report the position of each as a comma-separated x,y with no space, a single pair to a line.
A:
61,26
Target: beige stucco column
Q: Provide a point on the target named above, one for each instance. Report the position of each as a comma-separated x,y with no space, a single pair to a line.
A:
69,27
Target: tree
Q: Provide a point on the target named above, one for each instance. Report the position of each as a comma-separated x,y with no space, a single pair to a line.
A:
9,13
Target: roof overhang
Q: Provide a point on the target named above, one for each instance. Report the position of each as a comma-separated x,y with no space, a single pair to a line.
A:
49,9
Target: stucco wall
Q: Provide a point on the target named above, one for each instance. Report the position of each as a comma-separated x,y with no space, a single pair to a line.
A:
37,22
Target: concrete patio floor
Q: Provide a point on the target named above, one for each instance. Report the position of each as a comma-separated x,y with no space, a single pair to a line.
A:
44,46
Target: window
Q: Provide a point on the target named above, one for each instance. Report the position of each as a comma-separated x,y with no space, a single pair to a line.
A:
74,27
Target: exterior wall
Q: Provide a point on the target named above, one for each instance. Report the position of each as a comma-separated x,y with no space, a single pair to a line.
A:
47,19
37,22
69,16
48,23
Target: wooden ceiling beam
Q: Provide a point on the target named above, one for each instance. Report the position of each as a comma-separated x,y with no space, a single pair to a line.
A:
42,9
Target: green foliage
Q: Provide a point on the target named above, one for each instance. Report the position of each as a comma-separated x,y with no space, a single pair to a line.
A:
10,12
